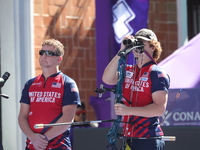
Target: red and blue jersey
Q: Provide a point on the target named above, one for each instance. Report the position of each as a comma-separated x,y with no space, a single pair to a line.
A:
46,99
139,84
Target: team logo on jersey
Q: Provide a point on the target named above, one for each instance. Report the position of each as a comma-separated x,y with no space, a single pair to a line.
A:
56,85
145,74
143,79
129,74
37,84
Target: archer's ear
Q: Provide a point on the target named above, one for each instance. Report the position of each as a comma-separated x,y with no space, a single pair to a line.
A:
153,48
59,60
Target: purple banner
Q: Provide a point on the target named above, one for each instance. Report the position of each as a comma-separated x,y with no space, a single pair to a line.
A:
129,16
185,110
114,19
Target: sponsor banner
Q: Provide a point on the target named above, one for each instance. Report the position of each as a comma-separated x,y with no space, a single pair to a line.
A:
185,111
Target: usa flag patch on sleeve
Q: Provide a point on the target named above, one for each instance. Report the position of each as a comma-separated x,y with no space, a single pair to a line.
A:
74,88
161,74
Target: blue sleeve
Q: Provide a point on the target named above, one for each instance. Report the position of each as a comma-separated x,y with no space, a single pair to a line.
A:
160,80
71,92
25,97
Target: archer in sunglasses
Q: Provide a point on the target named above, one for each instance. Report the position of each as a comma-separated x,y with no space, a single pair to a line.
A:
48,53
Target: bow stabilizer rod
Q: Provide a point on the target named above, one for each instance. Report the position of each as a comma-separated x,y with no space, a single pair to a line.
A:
39,126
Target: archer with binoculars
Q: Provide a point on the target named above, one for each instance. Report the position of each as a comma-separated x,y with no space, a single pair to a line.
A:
145,91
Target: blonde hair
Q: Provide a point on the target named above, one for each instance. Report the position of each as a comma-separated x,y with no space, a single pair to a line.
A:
158,49
55,43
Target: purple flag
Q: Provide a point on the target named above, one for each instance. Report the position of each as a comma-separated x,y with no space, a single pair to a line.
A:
114,20
183,65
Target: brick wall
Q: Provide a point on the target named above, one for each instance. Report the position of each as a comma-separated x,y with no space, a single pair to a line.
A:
73,23
163,21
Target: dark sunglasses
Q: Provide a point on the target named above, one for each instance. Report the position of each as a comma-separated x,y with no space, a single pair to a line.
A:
48,53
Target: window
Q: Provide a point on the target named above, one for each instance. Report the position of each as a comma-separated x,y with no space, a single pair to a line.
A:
193,7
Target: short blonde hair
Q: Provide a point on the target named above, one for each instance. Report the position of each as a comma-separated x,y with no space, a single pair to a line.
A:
55,43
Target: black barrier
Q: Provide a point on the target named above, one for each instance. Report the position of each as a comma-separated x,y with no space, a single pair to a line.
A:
187,138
